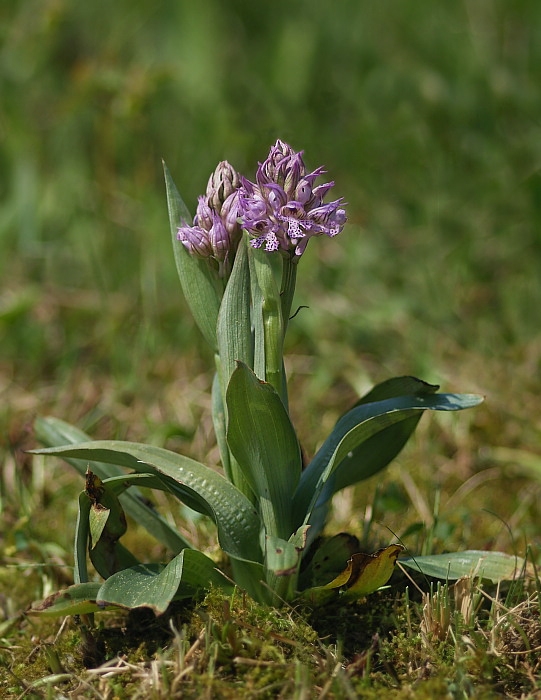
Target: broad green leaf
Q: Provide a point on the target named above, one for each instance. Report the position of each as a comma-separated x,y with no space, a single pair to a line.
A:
355,428
235,342
154,586
234,329
200,487
364,412
377,452
53,432
264,443
268,322
494,566
201,285
119,484
374,454
79,599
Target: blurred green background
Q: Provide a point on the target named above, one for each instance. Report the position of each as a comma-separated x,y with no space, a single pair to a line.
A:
427,116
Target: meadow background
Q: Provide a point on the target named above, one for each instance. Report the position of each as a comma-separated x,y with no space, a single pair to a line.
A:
428,118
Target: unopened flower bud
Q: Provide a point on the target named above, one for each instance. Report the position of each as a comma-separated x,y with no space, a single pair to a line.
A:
215,233
294,172
221,185
195,240
230,214
203,214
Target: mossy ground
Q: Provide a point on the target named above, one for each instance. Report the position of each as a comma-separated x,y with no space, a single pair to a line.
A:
230,647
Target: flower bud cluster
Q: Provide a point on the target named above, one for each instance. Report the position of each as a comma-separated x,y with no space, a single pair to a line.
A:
216,232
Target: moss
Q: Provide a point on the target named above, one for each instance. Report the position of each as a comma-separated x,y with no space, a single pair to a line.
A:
354,626
231,647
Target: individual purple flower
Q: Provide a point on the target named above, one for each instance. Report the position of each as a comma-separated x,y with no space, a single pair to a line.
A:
216,232
282,209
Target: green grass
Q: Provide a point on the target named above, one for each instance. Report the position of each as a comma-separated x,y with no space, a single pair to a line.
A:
427,117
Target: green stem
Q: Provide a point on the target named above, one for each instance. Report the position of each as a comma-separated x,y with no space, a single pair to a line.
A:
289,278
268,322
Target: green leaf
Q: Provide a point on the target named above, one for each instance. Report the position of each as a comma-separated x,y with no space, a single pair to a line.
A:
397,386
53,432
234,326
106,515
353,429
154,586
283,557
108,555
79,599
218,420
250,577
269,326
107,521
145,585
265,446
98,522
107,524
119,484
235,342
200,487
201,285
377,452
494,566
282,563
82,536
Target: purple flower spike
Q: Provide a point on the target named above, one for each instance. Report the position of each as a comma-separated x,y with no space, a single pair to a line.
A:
282,209
216,232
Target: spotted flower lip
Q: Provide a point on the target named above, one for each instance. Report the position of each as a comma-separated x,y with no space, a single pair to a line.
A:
215,232
283,209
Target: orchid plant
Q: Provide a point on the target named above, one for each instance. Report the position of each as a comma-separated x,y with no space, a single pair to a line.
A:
237,262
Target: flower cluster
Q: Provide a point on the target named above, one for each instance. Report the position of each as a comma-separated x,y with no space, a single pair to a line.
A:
281,210
216,232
